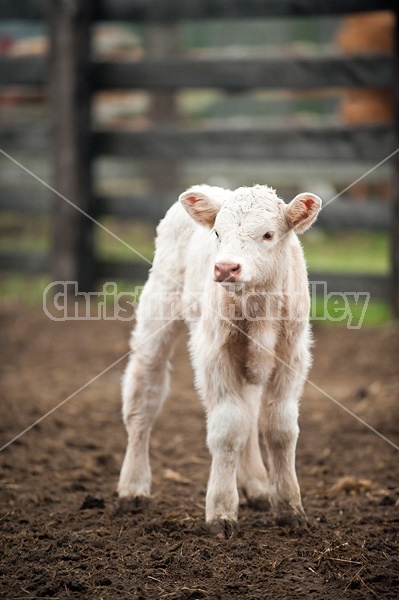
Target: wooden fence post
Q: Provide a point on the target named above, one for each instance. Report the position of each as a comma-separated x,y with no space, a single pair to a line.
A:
72,257
395,196
162,42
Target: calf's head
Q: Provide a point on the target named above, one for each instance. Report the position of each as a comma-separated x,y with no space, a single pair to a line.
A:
251,228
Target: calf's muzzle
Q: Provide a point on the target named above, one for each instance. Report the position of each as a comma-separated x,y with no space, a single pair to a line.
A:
226,272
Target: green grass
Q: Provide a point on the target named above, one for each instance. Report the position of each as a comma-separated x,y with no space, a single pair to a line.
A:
23,290
343,312
348,252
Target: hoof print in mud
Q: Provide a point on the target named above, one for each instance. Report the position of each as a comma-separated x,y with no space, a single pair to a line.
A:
91,502
133,505
223,529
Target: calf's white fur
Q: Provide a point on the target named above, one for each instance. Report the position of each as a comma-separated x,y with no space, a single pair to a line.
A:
230,265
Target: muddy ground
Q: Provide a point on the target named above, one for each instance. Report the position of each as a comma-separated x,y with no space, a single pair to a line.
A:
63,537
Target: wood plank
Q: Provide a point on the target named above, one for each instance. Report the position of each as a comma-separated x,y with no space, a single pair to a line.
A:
376,285
363,143
72,255
154,10
31,137
162,41
22,70
146,206
36,263
33,200
29,263
341,215
172,10
372,143
370,71
294,73
27,10
132,271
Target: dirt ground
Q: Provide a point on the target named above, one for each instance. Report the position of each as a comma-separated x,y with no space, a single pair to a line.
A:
62,535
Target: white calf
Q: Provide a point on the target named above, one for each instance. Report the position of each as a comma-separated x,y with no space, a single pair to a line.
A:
228,263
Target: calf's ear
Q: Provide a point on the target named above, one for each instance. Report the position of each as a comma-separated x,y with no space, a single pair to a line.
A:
201,206
302,211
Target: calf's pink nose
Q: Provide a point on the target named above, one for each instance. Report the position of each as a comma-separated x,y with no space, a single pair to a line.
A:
226,271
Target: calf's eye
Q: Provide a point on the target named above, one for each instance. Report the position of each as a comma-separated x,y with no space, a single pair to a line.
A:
269,235
217,235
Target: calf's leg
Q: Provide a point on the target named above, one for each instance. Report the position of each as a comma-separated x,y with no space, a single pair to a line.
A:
232,408
228,429
145,387
280,427
252,474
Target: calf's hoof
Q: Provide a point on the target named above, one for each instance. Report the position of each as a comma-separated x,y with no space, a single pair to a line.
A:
291,517
135,504
223,529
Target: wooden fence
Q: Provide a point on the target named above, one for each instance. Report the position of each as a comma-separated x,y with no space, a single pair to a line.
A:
72,79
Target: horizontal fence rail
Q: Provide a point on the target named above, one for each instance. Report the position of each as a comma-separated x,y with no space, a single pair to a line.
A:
341,214
363,143
175,10
232,74
313,143
299,73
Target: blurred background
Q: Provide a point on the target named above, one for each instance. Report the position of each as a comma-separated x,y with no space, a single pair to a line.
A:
120,116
